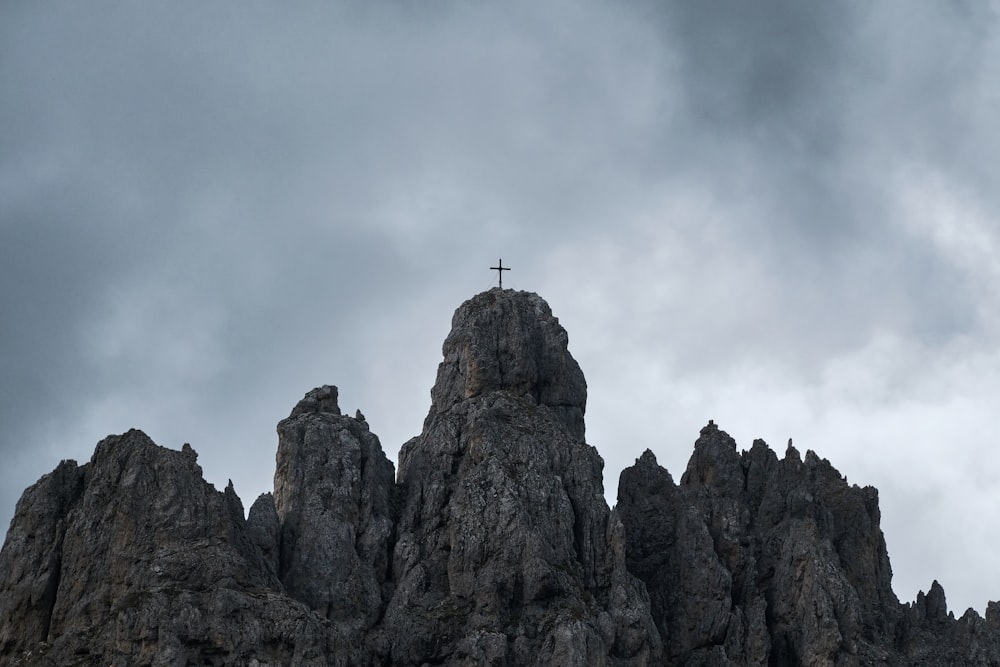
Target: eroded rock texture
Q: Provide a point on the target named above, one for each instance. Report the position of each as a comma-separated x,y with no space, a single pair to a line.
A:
493,547
753,560
134,559
506,551
333,491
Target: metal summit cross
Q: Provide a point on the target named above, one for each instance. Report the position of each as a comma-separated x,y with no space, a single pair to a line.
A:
500,268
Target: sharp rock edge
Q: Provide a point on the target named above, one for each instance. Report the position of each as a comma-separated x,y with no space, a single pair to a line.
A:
492,546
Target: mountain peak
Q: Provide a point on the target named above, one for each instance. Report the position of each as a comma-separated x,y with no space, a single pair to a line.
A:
502,501
492,545
319,400
508,340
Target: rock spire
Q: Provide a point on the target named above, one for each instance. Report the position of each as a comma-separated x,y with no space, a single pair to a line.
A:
508,341
754,560
492,546
506,551
133,558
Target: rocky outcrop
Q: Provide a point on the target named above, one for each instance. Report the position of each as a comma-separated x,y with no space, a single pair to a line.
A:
134,559
502,340
31,560
506,551
930,635
333,497
493,547
753,560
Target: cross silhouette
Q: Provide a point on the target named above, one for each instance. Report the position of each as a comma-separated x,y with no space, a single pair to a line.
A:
500,268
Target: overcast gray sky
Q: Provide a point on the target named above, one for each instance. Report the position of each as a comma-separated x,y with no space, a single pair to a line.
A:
778,215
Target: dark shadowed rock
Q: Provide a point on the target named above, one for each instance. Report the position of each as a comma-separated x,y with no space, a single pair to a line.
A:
333,490
139,561
31,560
502,340
494,547
506,550
754,560
264,531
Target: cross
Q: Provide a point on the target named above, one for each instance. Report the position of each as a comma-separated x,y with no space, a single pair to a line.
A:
500,268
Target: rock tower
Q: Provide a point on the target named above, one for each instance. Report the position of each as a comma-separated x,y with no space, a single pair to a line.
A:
493,545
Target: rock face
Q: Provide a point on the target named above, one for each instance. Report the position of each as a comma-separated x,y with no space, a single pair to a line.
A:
494,546
753,560
509,341
333,492
506,551
134,559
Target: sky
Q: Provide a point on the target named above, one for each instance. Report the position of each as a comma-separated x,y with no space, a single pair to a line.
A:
778,215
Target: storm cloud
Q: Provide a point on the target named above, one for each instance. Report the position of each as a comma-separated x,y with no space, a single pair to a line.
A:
777,215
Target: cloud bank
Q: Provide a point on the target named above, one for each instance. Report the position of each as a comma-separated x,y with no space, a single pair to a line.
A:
777,216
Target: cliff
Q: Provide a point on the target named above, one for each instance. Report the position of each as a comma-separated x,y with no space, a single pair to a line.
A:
492,545
754,560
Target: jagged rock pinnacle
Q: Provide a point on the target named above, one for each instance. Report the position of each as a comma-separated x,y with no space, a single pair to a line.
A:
506,340
134,559
494,546
319,400
333,490
502,509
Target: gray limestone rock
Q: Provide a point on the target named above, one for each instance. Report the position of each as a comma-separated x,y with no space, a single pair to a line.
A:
134,559
31,559
754,560
502,340
333,496
264,530
493,547
503,525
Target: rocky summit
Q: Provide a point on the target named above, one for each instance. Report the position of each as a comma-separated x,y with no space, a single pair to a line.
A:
491,545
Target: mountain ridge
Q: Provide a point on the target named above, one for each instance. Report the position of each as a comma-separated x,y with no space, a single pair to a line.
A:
491,544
